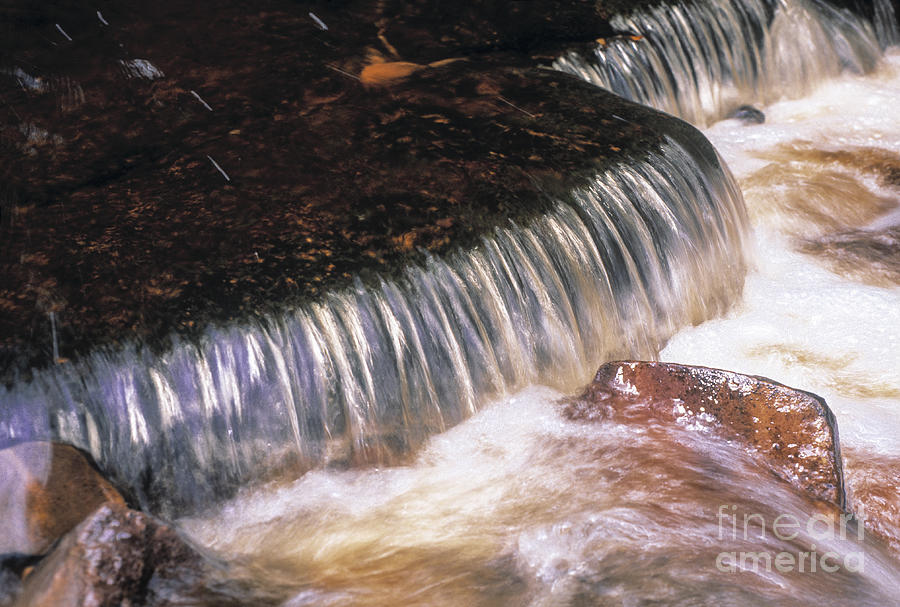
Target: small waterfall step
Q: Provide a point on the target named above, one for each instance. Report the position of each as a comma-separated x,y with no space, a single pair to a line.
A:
703,60
484,227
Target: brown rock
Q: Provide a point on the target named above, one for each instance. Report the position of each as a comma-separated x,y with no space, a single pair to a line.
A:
793,431
47,489
115,557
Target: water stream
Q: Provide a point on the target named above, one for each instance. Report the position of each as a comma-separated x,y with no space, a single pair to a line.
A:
440,470
703,60
365,375
519,506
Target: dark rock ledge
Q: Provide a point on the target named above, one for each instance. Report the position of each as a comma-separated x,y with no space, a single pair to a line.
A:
120,121
167,165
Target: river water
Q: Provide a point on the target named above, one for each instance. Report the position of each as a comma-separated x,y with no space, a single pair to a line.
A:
518,505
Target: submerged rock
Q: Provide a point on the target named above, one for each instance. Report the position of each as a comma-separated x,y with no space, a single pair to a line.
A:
873,485
794,432
748,115
870,256
45,490
116,557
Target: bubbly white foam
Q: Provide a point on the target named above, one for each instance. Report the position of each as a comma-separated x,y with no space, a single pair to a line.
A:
850,110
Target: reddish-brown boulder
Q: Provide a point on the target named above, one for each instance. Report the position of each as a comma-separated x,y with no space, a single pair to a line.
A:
793,432
45,490
115,557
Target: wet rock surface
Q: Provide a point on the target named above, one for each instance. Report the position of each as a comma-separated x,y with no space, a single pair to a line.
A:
748,115
793,432
116,557
167,166
45,490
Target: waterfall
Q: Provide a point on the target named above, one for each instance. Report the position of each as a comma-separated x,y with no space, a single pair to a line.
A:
700,61
518,504
367,373
611,271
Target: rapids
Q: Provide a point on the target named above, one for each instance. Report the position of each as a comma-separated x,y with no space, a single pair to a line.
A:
519,506
442,470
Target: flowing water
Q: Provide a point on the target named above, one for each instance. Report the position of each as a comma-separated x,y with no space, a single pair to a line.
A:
519,505
365,375
444,470
703,60
821,310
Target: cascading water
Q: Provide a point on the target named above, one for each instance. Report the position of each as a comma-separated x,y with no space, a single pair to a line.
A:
703,60
821,309
518,505
650,246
